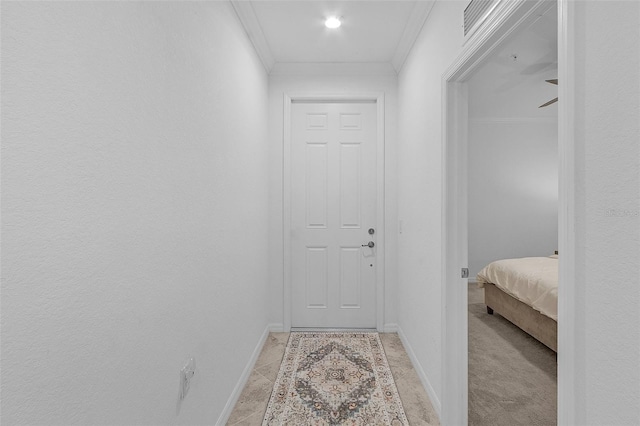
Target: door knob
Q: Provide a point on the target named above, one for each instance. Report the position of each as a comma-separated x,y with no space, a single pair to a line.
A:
370,244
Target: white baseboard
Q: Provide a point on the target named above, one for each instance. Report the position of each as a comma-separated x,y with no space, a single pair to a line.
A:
390,328
233,399
435,401
276,327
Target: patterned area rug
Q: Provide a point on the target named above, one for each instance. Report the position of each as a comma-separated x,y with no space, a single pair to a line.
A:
334,379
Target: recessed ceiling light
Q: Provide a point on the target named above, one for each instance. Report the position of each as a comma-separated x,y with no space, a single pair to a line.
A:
332,22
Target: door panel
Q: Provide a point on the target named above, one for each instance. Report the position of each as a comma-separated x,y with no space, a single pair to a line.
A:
350,281
316,178
333,204
350,202
317,277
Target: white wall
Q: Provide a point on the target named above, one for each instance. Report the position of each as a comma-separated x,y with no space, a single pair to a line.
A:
330,79
607,190
607,211
420,187
512,189
513,148
134,174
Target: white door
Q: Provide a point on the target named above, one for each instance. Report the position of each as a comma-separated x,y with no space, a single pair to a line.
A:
333,207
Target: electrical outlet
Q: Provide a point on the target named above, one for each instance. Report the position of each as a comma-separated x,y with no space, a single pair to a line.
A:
186,373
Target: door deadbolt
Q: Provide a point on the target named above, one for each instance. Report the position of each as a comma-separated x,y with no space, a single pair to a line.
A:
372,231
370,244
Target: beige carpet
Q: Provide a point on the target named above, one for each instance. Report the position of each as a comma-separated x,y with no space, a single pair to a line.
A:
335,379
512,376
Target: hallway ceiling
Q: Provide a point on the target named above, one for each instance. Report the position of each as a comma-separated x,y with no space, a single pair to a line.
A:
294,32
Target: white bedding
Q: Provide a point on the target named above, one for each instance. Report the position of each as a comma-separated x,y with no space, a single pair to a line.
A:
532,280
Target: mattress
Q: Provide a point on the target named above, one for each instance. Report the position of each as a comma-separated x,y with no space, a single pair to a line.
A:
532,280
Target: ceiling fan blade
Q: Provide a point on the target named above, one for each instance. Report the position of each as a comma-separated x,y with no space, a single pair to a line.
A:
553,81
552,101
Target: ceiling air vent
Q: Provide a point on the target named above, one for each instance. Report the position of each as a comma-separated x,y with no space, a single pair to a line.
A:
475,12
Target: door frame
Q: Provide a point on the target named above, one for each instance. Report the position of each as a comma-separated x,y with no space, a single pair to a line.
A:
504,19
288,100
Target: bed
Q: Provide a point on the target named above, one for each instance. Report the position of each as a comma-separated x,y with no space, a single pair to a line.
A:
524,291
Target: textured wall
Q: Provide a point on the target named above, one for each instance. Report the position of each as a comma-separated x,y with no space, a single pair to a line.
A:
512,189
607,125
134,201
420,185
607,189
513,148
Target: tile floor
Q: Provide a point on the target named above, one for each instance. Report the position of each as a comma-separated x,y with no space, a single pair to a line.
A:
254,398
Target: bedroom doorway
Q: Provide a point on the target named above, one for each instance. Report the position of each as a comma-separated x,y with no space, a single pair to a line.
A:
500,27
512,217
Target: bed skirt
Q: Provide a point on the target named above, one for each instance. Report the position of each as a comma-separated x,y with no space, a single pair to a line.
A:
540,326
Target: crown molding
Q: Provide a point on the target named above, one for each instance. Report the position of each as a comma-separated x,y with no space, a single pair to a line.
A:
333,68
249,20
419,15
509,120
